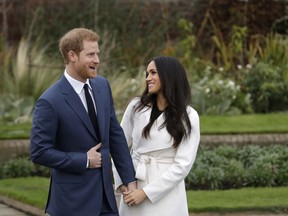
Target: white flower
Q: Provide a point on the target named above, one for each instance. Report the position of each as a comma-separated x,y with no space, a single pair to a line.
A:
248,66
239,67
220,82
220,69
230,84
208,68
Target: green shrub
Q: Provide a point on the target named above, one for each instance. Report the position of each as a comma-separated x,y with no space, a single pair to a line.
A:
205,177
226,167
234,173
267,87
20,167
226,151
249,154
259,174
216,94
280,164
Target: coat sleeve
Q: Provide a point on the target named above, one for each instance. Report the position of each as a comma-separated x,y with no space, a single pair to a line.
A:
183,161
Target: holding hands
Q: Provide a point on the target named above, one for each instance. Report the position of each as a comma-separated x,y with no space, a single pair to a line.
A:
132,195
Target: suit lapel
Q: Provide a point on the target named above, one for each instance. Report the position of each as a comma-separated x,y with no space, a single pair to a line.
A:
75,103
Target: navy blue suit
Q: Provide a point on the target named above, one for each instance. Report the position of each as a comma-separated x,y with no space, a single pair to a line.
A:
61,135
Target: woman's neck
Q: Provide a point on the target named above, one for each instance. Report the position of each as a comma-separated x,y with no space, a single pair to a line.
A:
161,102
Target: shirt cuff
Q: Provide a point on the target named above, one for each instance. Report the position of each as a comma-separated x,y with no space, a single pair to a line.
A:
88,162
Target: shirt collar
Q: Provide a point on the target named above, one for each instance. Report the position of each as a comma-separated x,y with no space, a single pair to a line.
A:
77,85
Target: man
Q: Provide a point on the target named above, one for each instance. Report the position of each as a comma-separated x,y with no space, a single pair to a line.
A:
78,148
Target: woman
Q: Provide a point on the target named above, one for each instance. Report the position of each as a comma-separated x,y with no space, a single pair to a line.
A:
163,134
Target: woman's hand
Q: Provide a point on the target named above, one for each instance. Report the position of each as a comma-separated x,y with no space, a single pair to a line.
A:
134,197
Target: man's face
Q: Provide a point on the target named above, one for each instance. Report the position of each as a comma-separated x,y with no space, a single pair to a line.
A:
86,63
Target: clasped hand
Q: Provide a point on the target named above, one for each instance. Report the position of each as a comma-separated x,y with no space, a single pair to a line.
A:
132,195
95,157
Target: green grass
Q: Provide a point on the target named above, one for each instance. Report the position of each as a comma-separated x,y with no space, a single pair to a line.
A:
34,190
256,123
14,131
245,199
30,190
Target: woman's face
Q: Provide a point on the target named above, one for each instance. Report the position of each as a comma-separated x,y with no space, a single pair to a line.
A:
152,79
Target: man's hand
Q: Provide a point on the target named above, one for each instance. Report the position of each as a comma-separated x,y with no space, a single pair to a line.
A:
123,188
95,158
132,186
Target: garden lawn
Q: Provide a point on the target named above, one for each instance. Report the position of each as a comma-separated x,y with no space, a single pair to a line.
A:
14,131
239,124
30,190
33,191
235,200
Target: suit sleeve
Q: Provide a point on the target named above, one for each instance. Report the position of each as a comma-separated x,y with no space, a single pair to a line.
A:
119,150
43,138
127,125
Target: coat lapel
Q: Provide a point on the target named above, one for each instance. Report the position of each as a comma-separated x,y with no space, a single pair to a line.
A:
75,103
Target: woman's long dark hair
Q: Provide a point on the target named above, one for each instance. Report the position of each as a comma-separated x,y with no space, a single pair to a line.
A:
176,90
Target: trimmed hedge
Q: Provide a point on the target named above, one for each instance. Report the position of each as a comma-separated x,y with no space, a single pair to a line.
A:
228,167
223,167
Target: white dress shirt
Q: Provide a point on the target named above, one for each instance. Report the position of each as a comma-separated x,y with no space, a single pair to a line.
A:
79,89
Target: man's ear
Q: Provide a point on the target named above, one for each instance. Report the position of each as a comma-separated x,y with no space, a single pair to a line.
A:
72,56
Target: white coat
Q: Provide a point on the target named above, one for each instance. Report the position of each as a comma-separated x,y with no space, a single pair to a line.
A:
160,168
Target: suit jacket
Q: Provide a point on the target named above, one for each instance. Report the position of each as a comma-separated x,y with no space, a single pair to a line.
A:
61,135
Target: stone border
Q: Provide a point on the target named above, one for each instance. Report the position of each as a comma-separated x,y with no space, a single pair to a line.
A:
31,210
10,149
244,139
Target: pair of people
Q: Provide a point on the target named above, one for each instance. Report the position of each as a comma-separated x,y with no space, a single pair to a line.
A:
153,149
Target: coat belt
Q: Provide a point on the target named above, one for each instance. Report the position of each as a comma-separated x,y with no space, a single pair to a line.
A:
147,163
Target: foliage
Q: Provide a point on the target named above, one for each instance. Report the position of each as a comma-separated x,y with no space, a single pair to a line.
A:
28,74
125,87
22,167
24,79
237,73
267,87
223,167
16,110
231,54
236,167
214,94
